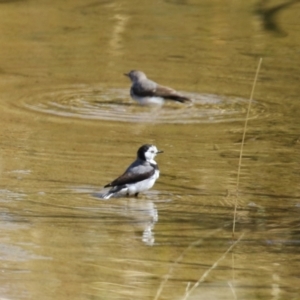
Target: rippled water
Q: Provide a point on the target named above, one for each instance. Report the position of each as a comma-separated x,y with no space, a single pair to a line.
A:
97,103
68,127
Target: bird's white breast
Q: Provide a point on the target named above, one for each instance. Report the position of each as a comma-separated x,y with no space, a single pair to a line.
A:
147,100
143,185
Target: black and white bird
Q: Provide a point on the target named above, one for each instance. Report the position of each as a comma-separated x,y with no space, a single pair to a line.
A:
140,176
146,91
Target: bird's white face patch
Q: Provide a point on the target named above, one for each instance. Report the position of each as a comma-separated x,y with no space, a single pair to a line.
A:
151,153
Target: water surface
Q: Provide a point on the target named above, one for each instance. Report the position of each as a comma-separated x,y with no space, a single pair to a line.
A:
68,127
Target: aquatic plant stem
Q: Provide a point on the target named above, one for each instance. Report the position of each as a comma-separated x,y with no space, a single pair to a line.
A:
242,146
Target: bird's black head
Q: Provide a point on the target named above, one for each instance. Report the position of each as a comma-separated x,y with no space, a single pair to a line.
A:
147,152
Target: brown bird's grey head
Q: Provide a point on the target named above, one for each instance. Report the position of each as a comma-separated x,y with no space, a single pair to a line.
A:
136,75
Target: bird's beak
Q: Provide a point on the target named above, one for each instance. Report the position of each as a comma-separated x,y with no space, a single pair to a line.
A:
159,151
126,74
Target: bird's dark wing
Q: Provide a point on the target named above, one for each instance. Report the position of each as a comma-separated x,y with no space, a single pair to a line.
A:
160,91
128,178
142,92
152,89
168,93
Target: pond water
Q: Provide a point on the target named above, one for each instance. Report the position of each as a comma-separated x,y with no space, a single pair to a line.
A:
68,127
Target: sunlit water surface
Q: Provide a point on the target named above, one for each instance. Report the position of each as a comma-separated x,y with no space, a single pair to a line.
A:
68,127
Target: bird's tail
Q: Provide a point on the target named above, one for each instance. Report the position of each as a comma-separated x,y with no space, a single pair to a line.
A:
185,100
107,195
181,99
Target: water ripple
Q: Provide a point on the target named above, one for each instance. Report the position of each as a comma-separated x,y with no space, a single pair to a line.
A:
100,103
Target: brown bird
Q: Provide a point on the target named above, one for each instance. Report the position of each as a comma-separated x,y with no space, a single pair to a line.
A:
146,91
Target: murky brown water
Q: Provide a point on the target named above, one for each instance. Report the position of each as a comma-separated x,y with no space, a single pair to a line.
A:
68,127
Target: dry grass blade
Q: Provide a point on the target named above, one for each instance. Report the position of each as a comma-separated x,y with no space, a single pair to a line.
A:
242,146
189,292
180,257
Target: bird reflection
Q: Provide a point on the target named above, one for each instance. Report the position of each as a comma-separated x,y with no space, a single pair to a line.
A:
145,215
142,214
268,15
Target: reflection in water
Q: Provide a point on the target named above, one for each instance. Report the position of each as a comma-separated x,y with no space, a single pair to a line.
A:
143,213
268,15
115,42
